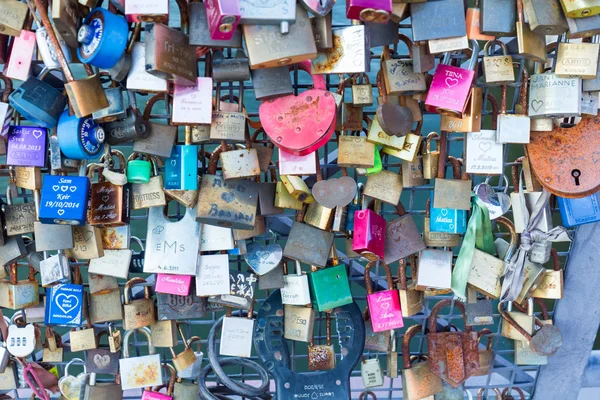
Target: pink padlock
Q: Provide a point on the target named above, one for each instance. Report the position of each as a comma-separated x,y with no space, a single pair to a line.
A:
384,306
147,11
369,234
369,10
173,284
153,394
21,54
451,86
223,17
300,124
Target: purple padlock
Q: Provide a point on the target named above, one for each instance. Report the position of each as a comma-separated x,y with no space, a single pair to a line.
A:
26,146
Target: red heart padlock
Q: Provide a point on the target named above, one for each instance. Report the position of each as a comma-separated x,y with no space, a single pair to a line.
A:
300,124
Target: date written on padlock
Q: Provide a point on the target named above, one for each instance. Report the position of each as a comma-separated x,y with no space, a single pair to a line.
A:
26,146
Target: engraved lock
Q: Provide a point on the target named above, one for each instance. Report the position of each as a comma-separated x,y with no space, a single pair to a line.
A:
514,128
544,18
212,278
410,147
55,269
64,302
298,323
129,128
229,124
430,158
417,380
268,47
16,294
483,152
573,212
161,137
102,360
18,218
437,20
497,69
104,299
56,190
138,313
177,306
186,358
551,96
168,52
453,356
114,263
192,104
38,102
240,293
577,60
411,299
399,74
524,321
53,350
109,202
369,232
362,92
149,194
240,163
402,237
552,283
271,82
46,51
237,334
347,55
498,18
452,193
385,186
95,47
182,166
355,152
164,333
129,366
322,357
435,269
295,289
142,11
384,306
451,86
200,34
14,18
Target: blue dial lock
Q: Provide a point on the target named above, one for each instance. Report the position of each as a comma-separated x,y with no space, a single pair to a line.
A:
79,138
103,38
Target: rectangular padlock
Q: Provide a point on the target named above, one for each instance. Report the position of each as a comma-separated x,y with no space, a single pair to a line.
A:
19,61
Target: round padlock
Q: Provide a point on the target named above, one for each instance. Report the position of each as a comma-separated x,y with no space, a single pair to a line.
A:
79,138
103,38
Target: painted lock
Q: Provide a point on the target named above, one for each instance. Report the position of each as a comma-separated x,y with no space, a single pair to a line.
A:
79,138
102,37
64,200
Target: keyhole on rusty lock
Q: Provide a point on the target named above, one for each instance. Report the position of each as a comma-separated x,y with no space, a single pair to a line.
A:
576,174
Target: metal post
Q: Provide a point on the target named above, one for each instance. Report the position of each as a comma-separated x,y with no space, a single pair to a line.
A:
577,316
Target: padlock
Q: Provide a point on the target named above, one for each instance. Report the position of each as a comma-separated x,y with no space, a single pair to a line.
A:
26,146
531,45
231,69
497,69
79,138
362,92
371,372
410,147
271,82
55,269
150,194
384,306
411,300
181,167
486,270
19,294
192,371
150,364
498,18
161,138
430,158
369,10
42,110
154,394
474,25
212,278
105,298
18,64
95,390
186,358
272,279
268,47
21,339
418,382
175,306
138,313
13,248
483,153
329,287
128,129
284,199
199,33
102,360
15,14
240,163
46,50
451,86
551,96
523,353
525,321
53,350
191,104
346,55
57,190
545,18
177,61
399,74
402,237
391,117
65,15
298,322
236,334
115,109
141,11
137,77
296,288
320,8
164,333
437,20
577,60
552,283
223,18
19,218
580,9
322,357
228,124
514,128
369,232
109,203
435,270
452,193
322,31
97,49
385,186
573,212
583,27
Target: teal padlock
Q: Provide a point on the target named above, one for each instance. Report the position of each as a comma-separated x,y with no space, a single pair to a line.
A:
330,287
138,170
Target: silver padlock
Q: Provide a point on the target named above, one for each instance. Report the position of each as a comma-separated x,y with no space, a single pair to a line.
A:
55,269
271,82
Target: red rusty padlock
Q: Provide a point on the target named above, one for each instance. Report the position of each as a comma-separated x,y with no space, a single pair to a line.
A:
304,123
453,356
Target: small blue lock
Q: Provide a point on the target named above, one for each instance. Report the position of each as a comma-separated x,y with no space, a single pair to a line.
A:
353,207
79,138
103,37
181,169
64,305
448,220
38,102
64,200
576,212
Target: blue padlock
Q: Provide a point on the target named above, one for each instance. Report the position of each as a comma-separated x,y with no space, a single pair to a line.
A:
79,138
181,169
581,211
103,38
64,200
38,102
448,220
64,305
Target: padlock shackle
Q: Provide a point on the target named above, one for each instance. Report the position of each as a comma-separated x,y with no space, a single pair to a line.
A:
107,159
555,259
367,394
523,91
71,362
146,332
494,42
516,389
483,332
364,79
512,322
514,238
132,282
410,333
515,174
482,390
443,150
8,87
171,385
431,136
402,274
12,273
381,89
213,162
456,167
446,303
152,101
525,310
195,339
492,100
388,276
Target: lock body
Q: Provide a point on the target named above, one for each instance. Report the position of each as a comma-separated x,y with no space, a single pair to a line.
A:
64,305
223,17
200,34
79,138
19,61
450,90
181,168
369,233
575,212
26,146
329,288
64,200
102,38
38,102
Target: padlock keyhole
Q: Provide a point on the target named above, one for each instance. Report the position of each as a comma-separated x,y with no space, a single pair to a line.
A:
576,174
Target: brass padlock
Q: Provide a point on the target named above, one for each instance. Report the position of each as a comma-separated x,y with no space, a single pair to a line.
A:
164,333
186,357
29,178
296,186
418,382
453,193
471,121
138,313
497,69
532,46
411,299
322,357
577,59
430,158
83,339
283,198
362,92
551,285
355,152
385,186
240,163
15,294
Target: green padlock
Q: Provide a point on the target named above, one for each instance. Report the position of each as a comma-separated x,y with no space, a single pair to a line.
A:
330,287
138,170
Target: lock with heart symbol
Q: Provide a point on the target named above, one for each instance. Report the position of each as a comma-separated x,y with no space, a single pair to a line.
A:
263,258
73,387
64,305
102,360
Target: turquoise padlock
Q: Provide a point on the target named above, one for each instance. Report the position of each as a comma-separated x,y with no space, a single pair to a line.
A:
138,170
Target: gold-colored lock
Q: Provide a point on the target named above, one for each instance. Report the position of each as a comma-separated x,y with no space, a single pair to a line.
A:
319,216
29,178
296,186
471,121
240,163
186,357
580,8
497,70
385,186
525,321
551,285
577,60
12,17
379,137
53,351
431,158
83,339
164,333
410,147
283,198
531,45
362,92
322,357
355,152
411,299
87,243
138,313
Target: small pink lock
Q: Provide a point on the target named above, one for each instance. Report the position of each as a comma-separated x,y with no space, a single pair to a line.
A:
384,306
173,284
369,234
223,17
369,10
451,86
150,395
19,61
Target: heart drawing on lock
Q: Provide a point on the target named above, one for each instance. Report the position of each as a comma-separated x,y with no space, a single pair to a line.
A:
71,386
451,82
60,212
485,146
537,105
64,188
37,133
66,302
263,258
55,188
105,198
228,197
101,361
335,192
444,212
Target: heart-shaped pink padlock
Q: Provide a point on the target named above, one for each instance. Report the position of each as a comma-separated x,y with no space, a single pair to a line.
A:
300,124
